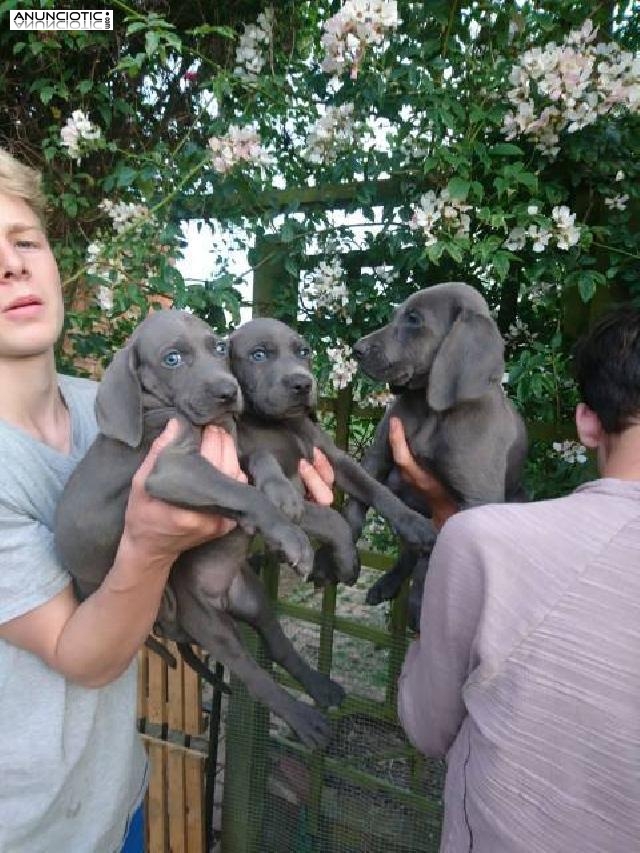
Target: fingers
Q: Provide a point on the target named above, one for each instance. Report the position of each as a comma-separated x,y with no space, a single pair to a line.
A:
400,451
315,480
323,467
219,448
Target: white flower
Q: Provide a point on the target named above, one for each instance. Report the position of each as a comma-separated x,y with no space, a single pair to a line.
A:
618,202
569,86
379,398
532,209
250,53
438,214
358,24
105,297
620,175
238,145
571,451
333,133
516,240
566,233
78,129
343,367
540,237
326,288
123,213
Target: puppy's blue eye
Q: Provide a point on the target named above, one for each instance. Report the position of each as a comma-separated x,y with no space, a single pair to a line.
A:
259,354
304,352
172,358
413,319
221,347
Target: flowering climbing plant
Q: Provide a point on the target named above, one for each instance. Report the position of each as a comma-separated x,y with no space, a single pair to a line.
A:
356,149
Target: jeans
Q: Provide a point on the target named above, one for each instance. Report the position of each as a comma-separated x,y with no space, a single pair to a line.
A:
134,840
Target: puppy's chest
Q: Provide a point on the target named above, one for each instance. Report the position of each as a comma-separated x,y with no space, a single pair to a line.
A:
279,440
423,430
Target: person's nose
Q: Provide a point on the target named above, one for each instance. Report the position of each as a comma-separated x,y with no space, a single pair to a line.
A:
12,263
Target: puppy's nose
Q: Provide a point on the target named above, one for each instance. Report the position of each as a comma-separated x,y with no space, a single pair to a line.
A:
225,392
360,350
298,382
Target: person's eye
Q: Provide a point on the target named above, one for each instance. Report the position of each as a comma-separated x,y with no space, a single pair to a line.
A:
172,358
259,354
304,352
26,244
413,319
221,347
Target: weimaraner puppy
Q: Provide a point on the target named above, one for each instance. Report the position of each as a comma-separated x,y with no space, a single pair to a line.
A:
272,364
175,366
442,355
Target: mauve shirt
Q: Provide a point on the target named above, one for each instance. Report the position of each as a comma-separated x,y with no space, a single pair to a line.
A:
527,674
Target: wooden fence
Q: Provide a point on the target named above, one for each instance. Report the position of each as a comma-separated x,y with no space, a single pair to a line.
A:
173,727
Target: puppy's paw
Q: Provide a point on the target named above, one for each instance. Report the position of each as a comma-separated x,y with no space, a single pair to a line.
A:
326,692
294,545
312,727
417,531
284,495
384,589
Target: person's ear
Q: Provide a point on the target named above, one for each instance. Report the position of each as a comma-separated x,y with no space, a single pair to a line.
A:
590,431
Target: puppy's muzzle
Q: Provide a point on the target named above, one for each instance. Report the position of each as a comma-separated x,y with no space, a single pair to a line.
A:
299,384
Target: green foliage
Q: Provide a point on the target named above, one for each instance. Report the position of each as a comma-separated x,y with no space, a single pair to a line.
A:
428,115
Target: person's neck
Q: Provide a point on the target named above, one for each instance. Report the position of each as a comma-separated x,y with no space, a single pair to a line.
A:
620,455
30,400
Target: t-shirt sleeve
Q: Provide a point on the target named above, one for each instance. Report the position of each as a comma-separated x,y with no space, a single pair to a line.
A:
430,690
30,574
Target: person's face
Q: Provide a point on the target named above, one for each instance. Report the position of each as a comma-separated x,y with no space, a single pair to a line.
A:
31,307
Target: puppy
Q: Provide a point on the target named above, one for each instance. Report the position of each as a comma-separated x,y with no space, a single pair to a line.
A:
175,366
272,364
442,355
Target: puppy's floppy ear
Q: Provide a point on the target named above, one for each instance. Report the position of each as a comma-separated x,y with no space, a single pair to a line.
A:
119,399
469,361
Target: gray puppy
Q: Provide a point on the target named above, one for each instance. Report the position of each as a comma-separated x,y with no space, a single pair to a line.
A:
276,430
175,366
442,355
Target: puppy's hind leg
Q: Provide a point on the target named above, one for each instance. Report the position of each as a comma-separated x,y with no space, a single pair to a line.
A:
215,631
388,586
248,601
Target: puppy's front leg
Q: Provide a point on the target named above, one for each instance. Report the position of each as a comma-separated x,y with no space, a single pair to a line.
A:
267,475
415,529
377,461
183,477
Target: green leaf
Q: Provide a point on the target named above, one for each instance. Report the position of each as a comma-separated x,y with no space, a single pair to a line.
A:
126,176
434,253
151,42
506,149
136,27
455,252
206,29
84,86
46,93
458,188
501,264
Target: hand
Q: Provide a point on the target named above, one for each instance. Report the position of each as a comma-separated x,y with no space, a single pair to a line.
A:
440,502
317,478
163,531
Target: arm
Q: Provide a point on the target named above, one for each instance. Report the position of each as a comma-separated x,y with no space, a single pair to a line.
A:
439,501
94,642
430,701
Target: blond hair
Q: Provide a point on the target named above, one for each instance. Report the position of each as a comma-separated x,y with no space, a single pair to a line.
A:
23,182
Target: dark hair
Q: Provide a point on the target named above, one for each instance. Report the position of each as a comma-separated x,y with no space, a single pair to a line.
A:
607,368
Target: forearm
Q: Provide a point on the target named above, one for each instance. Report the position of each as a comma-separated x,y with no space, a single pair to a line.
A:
103,634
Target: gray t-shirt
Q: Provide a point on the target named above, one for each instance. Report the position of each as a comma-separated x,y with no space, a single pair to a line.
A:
72,767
